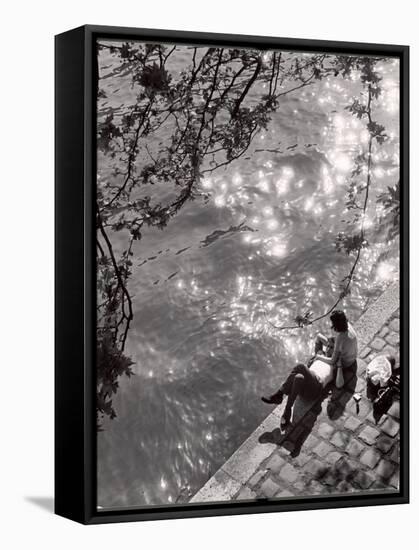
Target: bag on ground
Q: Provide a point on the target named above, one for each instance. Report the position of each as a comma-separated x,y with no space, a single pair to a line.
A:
379,371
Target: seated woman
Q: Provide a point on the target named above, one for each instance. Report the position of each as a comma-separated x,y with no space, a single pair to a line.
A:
309,382
346,343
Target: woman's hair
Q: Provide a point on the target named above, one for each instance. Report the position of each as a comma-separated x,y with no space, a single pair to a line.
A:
339,321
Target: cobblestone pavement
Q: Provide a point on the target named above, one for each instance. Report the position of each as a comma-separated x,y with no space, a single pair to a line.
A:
334,446
337,447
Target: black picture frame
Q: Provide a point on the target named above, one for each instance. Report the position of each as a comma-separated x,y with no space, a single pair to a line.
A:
75,420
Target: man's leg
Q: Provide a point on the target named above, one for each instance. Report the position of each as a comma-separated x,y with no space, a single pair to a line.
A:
297,388
301,381
287,387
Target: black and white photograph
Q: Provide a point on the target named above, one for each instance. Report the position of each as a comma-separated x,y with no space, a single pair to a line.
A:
247,274
209,221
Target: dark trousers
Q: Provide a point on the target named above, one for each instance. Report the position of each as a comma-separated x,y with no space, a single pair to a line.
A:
308,382
300,381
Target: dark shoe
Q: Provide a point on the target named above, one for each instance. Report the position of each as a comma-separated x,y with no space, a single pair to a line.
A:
266,400
275,399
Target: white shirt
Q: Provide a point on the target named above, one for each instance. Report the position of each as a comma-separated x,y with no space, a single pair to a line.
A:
323,371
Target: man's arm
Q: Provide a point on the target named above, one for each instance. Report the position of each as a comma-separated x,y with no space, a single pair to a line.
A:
319,342
328,360
331,360
321,338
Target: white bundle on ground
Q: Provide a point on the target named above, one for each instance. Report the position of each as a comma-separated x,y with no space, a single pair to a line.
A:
379,370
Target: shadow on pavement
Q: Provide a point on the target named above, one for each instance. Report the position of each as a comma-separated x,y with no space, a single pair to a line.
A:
306,412
340,398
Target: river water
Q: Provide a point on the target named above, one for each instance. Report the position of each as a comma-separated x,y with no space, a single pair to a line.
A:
261,248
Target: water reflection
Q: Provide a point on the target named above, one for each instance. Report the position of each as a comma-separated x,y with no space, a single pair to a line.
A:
261,247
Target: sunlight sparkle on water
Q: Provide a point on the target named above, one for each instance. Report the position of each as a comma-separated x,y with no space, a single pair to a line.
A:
308,204
341,162
281,186
279,250
220,201
241,284
247,328
364,136
237,179
206,183
391,96
287,172
327,180
339,122
273,224
264,185
385,271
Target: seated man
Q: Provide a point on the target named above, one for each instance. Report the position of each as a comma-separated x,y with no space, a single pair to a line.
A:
308,382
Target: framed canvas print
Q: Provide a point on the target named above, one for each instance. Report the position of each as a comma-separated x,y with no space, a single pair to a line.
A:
231,274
